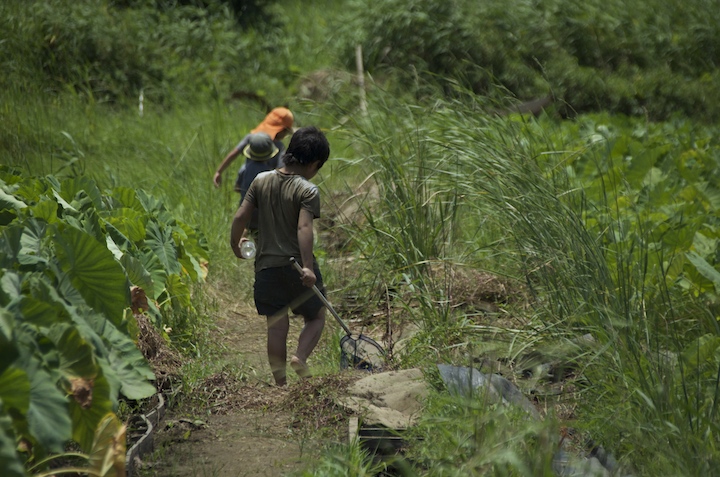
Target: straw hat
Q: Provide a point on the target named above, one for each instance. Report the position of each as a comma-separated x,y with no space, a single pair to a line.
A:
260,147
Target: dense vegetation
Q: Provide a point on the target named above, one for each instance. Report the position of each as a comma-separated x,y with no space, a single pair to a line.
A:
604,209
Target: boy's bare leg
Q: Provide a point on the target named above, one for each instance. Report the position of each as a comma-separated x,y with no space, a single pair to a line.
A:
278,327
308,340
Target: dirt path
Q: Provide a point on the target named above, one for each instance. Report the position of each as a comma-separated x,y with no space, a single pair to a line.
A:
247,428
238,423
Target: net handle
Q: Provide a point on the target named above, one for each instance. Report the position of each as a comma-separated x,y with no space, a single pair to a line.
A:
322,298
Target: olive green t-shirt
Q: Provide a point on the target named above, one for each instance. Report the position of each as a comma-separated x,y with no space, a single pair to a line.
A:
279,198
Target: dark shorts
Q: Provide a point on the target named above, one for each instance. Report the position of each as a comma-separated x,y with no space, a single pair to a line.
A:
280,288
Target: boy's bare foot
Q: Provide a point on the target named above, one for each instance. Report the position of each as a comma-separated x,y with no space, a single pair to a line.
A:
300,368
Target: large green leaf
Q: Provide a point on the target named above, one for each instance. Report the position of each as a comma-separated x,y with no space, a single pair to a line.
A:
46,210
86,417
128,198
704,268
76,354
133,375
113,247
178,290
137,274
107,456
15,389
10,461
10,202
10,246
126,369
32,189
99,278
47,416
194,241
78,188
128,222
159,239
66,207
152,264
32,250
91,224
39,312
150,204
8,349
10,286
192,268
116,242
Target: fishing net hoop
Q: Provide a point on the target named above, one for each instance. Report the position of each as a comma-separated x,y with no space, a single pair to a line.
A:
361,352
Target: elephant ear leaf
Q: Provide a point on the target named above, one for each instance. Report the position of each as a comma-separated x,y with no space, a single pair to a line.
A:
91,400
127,197
15,389
75,353
704,268
136,272
94,272
73,187
10,202
9,459
107,456
8,350
160,241
48,412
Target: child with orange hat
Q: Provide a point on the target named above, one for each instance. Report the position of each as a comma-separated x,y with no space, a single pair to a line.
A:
277,124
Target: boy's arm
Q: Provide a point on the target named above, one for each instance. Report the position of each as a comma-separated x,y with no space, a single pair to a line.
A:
239,223
217,178
305,240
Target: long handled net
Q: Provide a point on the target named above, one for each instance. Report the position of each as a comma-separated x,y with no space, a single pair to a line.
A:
358,352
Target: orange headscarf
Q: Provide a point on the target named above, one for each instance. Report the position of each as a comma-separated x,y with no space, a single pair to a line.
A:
276,120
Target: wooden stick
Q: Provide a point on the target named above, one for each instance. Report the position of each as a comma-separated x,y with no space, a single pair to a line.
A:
360,78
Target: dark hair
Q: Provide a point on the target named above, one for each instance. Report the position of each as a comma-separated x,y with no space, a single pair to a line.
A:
307,145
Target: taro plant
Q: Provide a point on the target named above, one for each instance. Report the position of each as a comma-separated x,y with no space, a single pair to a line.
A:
69,255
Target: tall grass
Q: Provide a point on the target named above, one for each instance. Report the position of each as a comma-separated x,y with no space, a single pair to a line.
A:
468,435
590,280
591,267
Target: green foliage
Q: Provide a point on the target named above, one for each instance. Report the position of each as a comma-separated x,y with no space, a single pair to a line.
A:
420,38
64,292
248,13
350,460
610,221
115,51
417,213
653,58
471,436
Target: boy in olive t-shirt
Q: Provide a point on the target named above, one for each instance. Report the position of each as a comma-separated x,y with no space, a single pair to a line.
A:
287,203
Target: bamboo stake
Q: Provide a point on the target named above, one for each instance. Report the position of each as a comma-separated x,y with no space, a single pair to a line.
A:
361,79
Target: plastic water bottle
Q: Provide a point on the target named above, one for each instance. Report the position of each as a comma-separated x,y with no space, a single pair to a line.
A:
248,249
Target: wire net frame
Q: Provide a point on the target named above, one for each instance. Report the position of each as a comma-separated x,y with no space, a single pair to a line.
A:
361,352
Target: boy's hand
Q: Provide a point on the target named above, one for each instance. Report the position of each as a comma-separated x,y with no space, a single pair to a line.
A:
236,248
308,277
